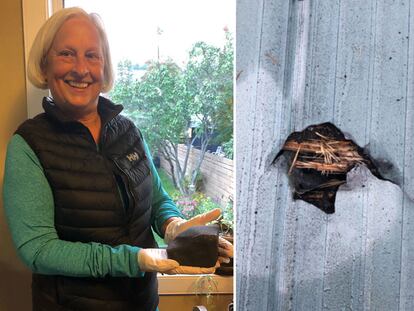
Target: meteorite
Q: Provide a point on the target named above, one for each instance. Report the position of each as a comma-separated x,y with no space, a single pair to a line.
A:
197,247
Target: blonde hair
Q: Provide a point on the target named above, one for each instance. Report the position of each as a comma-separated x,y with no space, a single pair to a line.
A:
36,63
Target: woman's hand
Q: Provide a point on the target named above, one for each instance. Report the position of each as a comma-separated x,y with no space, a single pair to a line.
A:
178,225
156,260
225,250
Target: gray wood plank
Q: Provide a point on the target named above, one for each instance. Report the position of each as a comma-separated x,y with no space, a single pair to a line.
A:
356,47
382,247
288,218
320,81
346,233
249,16
309,258
344,257
389,83
257,191
407,245
318,107
382,273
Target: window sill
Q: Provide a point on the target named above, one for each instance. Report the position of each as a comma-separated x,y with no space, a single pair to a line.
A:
193,285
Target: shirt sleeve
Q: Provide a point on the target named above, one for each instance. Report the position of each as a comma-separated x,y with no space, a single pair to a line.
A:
29,208
163,207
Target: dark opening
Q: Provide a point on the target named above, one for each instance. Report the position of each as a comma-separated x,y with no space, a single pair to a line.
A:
319,158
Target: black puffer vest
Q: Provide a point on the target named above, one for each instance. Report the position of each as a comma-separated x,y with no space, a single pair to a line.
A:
101,194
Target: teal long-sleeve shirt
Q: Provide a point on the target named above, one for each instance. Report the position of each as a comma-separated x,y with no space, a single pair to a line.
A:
29,207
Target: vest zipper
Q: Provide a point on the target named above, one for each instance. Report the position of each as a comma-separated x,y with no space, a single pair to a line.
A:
129,192
100,150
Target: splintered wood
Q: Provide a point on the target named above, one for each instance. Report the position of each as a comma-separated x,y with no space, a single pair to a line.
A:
326,155
319,158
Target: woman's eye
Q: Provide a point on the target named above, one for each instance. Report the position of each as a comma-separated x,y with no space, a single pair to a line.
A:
93,56
65,53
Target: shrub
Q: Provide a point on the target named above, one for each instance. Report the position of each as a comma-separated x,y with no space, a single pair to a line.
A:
187,206
199,203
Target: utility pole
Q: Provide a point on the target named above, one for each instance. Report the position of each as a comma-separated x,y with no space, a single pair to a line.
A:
159,33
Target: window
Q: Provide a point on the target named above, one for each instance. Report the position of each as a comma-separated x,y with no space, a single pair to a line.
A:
174,66
141,34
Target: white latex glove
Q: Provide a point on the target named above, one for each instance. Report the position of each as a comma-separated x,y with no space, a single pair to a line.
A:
193,270
225,250
156,260
179,225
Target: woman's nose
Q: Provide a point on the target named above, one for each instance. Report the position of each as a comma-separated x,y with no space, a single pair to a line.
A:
80,66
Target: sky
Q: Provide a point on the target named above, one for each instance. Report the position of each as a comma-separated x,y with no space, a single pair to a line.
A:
131,26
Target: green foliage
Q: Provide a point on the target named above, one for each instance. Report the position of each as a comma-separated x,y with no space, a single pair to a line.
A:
124,91
195,204
199,203
167,100
166,182
225,121
227,217
197,183
206,204
228,148
209,84
165,112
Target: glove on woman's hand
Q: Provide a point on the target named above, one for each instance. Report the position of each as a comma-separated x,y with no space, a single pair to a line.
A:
156,260
193,270
179,225
225,250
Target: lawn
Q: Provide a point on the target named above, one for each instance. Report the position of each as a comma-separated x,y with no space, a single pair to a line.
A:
166,182
169,188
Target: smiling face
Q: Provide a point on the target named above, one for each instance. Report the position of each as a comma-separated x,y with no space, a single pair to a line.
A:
75,66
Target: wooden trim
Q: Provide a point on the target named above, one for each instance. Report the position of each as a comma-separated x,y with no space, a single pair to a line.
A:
187,284
35,13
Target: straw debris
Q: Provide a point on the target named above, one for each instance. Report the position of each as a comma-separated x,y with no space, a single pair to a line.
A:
319,159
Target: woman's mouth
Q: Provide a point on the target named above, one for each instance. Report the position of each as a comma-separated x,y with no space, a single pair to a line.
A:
78,85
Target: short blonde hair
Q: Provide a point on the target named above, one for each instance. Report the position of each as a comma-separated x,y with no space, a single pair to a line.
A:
44,39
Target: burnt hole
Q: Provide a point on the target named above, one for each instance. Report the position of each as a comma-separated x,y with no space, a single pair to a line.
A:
319,157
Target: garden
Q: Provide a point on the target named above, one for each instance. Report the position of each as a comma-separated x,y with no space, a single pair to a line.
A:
188,104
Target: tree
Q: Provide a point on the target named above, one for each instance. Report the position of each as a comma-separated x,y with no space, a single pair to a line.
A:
208,80
125,87
225,121
166,114
167,98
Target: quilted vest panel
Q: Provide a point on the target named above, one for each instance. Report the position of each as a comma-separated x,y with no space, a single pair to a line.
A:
87,183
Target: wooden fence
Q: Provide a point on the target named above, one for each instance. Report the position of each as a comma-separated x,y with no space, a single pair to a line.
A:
216,172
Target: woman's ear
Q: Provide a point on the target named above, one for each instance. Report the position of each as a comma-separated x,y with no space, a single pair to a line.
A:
43,67
43,64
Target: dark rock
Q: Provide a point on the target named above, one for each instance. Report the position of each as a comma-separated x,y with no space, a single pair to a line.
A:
197,247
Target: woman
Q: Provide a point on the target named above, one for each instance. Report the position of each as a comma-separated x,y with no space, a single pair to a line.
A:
80,191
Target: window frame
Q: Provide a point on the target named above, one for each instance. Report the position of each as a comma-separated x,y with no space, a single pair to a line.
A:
35,12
